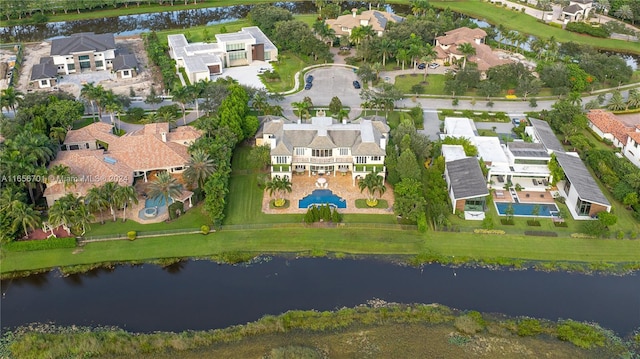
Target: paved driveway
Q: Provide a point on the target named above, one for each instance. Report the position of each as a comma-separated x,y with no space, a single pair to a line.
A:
327,83
431,124
246,75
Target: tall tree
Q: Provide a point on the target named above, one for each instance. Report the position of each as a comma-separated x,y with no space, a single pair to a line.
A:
10,98
467,50
127,196
199,168
182,95
96,199
24,216
166,187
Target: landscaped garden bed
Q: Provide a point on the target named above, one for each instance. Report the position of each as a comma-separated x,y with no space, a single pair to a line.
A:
380,203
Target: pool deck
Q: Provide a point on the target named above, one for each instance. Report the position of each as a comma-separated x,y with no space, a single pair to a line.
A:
503,196
342,186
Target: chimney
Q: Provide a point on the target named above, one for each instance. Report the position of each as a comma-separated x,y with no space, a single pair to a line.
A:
354,11
164,136
273,143
383,142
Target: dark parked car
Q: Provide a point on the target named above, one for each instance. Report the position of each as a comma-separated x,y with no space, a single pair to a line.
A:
356,84
422,66
308,86
309,79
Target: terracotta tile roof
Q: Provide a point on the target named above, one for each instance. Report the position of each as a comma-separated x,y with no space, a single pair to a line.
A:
184,133
376,19
462,34
609,123
95,131
635,136
91,169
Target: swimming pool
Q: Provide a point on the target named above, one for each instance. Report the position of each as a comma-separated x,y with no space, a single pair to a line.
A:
322,196
154,202
526,209
153,207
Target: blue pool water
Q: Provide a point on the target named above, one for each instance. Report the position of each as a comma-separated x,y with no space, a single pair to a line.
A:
525,209
154,202
322,196
158,203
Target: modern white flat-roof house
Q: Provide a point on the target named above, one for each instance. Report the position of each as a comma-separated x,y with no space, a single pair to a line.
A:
524,165
202,60
466,184
325,146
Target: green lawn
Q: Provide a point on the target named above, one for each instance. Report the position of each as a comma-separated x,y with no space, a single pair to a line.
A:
516,20
433,86
287,66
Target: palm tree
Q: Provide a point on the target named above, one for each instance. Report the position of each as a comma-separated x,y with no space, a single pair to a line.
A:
182,95
61,213
373,182
127,195
58,134
386,47
111,192
83,217
10,98
166,187
96,200
403,56
428,54
376,68
343,113
280,186
113,107
467,50
616,103
9,196
625,13
64,175
199,168
301,107
419,7
92,93
633,100
539,45
24,216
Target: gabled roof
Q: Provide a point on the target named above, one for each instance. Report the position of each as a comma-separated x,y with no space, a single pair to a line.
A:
528,149
635,136
82,42
467,180
581,178
572,9
607,122
378,21
546,136
125,62
44,70
95,131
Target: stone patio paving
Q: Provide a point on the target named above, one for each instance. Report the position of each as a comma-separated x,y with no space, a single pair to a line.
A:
303,184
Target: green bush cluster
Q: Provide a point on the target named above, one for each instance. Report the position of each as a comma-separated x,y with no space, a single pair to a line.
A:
584,28
470,323
205,229
581,335
159,55
529,327
324,213
35,245
176,209
132,235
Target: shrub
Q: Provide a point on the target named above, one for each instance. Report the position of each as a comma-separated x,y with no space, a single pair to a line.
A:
581,235
336,217
459,340
488,231
132,235
422,224
555,24
620,235
583,28
176,209
205,229
580,334
633,235
507,222
34,245
533,223
469,323
529,327
455,102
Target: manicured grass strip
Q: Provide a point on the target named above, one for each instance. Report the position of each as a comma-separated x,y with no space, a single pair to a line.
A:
35,245
434,85
345,240
527,24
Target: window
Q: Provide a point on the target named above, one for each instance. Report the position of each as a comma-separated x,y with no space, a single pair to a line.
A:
344,152
321,153
71,67
99,63
125,73
281,159
361,159
299,151
375,158
567,186
44,82
235,47
237,55
83,58
267,55
583,208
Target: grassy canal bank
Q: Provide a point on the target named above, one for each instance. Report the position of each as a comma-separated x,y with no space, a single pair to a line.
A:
447,248
382,331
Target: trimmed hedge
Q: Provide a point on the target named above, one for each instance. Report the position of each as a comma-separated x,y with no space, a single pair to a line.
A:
36,245
582,28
